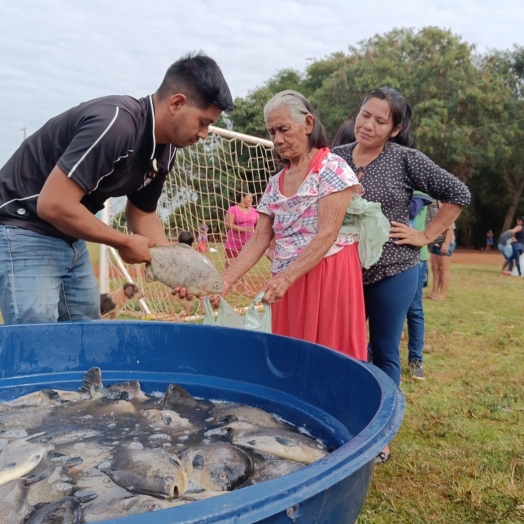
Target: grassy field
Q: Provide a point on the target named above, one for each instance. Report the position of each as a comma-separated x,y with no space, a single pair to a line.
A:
459,455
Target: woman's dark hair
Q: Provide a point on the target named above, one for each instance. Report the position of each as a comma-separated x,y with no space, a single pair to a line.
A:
299,107
400,112
345,134
240,195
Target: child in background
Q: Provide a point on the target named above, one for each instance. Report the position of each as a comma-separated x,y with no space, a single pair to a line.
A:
489,241
186,237
202,237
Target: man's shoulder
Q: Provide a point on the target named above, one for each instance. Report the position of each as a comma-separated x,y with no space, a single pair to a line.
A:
133,106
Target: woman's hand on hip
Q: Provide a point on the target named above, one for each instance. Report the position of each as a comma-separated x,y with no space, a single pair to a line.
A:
403,234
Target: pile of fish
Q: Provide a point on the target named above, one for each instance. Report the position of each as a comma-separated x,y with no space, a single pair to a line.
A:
106,452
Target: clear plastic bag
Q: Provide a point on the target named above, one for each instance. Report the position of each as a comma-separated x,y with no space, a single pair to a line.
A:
228,317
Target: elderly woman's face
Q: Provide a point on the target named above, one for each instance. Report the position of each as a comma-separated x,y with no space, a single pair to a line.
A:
289,137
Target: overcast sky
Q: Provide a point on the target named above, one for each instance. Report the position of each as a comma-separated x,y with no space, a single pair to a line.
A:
55,54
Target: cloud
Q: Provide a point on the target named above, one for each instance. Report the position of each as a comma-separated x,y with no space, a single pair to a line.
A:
56,54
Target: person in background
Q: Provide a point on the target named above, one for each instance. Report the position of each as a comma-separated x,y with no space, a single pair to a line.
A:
440,251
345,134
504,246
202,237
241,220
315,289
415,315
186,237
489,241
517,246
389,173
61,175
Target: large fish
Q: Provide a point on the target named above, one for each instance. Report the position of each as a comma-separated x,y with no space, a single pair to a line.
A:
271,469
230,412
148,471
116,508
19,458
279,443
63,511
181,266
15,506
218,466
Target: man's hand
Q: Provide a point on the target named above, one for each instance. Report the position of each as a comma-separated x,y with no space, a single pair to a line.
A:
135,250
407,235
182,293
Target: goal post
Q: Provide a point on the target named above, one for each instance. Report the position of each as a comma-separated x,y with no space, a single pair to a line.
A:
199,189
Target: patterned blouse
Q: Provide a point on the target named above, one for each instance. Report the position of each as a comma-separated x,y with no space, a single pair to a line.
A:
295,218
390,179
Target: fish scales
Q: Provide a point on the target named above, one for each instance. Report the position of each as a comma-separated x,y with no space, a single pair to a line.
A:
181,266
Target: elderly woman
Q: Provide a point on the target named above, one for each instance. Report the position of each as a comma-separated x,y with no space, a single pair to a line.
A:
316,285
389,171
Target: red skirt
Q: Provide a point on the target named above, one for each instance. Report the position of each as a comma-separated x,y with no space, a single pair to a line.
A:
326,306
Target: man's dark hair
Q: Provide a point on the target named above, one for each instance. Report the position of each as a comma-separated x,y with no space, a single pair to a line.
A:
199,78
186,237
521,218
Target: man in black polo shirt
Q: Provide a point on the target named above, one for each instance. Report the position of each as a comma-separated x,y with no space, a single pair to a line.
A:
61,176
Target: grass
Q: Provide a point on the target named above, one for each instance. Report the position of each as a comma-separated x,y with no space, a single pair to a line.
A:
458,457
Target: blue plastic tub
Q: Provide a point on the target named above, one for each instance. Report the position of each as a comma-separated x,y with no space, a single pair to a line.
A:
350,405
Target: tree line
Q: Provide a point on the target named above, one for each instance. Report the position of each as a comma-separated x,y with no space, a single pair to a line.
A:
468,111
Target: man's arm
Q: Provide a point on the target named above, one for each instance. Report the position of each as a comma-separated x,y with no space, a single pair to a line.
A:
60,204
146,224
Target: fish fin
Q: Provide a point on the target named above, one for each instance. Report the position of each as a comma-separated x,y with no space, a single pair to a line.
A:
87,498
34,436
198,462
285,441
33,479
175,463
9,465
149,276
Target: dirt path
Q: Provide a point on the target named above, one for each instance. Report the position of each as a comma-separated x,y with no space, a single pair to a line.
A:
466,256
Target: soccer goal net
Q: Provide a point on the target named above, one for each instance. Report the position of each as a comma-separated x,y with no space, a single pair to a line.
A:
198,192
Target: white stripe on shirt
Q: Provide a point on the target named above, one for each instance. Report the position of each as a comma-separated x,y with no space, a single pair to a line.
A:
96,142
19,199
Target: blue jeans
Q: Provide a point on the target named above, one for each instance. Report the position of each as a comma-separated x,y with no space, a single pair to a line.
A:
517,249
415,318
387,303
45,279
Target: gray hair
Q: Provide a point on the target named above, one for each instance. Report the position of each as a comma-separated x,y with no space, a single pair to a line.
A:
299,107
291,99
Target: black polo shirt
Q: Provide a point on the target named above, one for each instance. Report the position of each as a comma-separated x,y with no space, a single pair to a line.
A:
107,146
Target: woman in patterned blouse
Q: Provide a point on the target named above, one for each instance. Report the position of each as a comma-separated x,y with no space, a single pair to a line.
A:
389,172
316,288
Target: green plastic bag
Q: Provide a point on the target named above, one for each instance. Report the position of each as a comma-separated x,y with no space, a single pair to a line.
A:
228,317
366,220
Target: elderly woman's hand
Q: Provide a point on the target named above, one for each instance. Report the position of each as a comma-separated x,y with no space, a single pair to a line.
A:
407,235
275,288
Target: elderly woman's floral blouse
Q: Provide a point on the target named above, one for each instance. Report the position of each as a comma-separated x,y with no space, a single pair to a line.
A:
296,217
390,179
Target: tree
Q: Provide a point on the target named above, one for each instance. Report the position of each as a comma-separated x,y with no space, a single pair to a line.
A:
467,109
